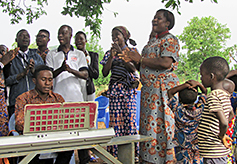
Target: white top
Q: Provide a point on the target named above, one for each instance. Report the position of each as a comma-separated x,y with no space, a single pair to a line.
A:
88,58
25,57
67,84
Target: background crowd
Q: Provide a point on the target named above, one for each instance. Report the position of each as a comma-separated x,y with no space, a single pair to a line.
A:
186,127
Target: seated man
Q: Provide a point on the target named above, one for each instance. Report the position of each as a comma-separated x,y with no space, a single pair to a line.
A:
41,94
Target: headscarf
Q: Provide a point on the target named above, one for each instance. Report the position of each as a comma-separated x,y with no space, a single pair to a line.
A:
126,34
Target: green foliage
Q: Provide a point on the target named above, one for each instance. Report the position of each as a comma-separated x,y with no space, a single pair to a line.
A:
17,9
175,4
232,53
202,38
32,46
91,10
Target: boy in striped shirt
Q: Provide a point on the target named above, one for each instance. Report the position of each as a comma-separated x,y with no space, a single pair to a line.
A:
212,141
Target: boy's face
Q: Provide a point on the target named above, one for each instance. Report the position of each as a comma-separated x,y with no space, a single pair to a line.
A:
23,39
205,77
80,41
42,39
43,82
64,35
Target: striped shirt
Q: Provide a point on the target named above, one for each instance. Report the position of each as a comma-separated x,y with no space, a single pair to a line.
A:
210,146
119,73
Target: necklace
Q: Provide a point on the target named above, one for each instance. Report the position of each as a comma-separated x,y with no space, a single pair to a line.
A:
162,33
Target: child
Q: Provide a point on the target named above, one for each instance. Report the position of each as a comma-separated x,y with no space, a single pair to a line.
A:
229,86
187,115
214,121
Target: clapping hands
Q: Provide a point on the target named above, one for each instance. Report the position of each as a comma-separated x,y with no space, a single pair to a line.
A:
9,56
66,67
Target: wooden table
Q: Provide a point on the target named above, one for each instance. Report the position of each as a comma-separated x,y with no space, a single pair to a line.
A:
126,150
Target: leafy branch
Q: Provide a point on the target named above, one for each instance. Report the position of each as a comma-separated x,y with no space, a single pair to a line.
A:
91,10
17,10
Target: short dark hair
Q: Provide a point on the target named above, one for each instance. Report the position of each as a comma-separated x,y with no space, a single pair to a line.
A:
20,32
188,96
46,31
4,47
217,65
81,32
234,79
169,17
41,68
69,28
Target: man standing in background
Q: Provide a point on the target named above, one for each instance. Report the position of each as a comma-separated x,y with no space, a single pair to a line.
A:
70,73
42,40
22,69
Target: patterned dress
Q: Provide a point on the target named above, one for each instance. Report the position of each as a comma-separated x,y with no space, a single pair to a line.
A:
233,101
122,102
156,118
232,129
3,107
187,118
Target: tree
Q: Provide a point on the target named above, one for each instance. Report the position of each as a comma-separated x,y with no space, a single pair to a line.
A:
202,38
91,10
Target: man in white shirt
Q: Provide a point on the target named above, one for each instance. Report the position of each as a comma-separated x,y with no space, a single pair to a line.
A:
70,67
70,73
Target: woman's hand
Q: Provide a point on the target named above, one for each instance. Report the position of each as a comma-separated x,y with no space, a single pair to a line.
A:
9,56
116,47
113,52
124,56
129,56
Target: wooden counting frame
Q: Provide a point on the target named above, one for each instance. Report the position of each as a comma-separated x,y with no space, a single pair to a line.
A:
59,116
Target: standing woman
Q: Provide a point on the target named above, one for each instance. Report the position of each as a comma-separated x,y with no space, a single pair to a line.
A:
121,93
158,61
92,62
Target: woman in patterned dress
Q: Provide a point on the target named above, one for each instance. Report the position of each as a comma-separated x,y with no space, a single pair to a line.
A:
158,61
5,57
122,96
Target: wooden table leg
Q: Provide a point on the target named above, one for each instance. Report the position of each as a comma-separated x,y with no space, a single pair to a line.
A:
126,153
28,158
104,155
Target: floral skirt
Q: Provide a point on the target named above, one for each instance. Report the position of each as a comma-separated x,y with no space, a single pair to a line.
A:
122,113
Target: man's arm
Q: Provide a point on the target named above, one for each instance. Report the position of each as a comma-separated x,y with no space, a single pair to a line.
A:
83,74
82,70
19,114
60,69
231,73
93,68
172,91
17,72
